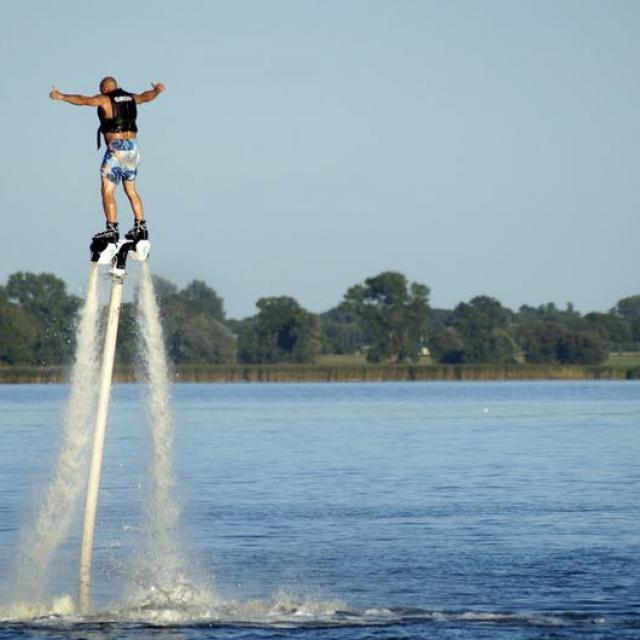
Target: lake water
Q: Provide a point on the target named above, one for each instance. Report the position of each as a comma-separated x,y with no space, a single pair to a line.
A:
409,510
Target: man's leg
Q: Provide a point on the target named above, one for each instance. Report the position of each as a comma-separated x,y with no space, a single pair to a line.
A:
109,200
139,231
134,199
110,212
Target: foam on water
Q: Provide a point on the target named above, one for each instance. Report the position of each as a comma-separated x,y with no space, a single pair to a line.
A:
185,606
283,610
56,511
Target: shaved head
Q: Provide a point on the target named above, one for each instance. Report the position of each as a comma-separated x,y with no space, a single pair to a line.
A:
108,84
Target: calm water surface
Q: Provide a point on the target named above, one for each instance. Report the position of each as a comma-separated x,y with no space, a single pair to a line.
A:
409,510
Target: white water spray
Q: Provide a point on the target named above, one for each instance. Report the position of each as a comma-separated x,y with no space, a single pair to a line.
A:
167,568
56,511
163,572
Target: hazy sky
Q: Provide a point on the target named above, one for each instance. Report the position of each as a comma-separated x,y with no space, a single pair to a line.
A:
480,147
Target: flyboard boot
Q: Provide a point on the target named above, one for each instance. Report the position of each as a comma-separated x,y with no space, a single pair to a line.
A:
139,231
138,239
107,248
104,245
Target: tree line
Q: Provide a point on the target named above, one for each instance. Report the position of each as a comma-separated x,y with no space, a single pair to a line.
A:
386,317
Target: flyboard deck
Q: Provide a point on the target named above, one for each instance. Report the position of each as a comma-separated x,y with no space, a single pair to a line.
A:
114,254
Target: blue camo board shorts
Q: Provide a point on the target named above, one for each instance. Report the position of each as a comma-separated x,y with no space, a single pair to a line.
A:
120,161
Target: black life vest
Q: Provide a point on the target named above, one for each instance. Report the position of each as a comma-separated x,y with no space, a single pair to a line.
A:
123,106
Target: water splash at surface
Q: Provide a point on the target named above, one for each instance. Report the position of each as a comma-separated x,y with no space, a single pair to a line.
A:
288,611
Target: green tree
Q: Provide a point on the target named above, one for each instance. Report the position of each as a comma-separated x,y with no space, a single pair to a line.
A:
548,312
343,331
166,292
539,341
552,342
282,331
200,298
438,320
610,328
482,323
202,338
191,321
447,346
581,347
44,298
18,332
629,310
393,315
128,340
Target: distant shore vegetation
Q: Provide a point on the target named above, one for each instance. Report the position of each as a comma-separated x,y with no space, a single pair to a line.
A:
384,320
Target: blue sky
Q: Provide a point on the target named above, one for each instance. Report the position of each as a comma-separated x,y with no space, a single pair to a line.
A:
480,147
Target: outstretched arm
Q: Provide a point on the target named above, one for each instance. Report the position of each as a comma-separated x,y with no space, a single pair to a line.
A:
80,101
151,94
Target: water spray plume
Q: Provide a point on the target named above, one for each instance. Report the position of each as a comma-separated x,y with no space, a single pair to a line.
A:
161,509
164,569
38,546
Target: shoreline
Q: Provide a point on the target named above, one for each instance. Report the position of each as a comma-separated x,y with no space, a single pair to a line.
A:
338,373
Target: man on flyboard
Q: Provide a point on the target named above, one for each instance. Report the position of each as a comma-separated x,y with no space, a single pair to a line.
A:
117,112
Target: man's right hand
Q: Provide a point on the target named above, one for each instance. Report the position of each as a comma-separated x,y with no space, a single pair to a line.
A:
158,87
54,94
